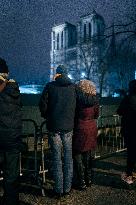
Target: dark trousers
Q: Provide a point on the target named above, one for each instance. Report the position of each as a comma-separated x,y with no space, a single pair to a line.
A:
82,167
131,158
10,167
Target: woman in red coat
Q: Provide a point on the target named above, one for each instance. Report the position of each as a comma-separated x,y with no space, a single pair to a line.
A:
85,132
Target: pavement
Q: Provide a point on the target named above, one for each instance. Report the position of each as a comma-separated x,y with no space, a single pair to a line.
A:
107,187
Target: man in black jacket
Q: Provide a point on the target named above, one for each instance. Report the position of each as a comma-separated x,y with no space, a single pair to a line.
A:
57,106
10,135
127,110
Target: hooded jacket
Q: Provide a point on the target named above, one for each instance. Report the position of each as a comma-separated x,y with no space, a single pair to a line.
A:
10,115
57,104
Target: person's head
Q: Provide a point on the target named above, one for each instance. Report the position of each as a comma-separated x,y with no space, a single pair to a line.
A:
4,71
132,87
61,69
87,87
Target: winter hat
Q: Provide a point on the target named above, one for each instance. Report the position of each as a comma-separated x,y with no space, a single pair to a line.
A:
3,66
61,70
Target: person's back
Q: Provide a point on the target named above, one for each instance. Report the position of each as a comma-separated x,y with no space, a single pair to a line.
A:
10,135
10,116
127,110
57,106
60,105
85,132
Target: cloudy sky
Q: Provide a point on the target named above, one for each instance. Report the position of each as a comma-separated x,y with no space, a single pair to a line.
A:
25,27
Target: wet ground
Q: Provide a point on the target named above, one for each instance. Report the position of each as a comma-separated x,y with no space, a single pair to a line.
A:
107,187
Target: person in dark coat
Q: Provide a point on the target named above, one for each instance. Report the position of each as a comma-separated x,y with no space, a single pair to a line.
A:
127,110
57,106
85,132
10,135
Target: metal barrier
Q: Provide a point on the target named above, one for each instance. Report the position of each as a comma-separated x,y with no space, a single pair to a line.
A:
109,136
32,136
109,141
45,147
36,137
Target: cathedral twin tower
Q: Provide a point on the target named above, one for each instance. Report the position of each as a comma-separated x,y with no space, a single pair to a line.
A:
78,47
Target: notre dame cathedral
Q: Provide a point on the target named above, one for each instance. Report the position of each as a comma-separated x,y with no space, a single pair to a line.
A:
78,47
81,49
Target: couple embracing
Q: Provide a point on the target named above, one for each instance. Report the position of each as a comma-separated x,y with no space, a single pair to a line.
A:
70,111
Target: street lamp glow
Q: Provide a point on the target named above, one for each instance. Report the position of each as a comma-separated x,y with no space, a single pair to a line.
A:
83,74
70,76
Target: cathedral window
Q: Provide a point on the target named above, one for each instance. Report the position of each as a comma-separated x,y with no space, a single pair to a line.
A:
89,25
84,32
53,39
54,45
58,41
53,35
62,39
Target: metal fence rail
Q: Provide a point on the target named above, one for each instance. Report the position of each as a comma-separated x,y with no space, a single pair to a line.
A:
32,163
109,136
36,160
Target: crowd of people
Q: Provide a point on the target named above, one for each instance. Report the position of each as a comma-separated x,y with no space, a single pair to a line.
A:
70,110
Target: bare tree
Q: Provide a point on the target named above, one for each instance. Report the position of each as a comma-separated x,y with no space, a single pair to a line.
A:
122,59
92,57
87,55
116,55
124,64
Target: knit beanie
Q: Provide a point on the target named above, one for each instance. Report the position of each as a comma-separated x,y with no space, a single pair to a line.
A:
3,66
61,70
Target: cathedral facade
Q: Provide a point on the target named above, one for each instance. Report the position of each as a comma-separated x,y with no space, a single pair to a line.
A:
79,47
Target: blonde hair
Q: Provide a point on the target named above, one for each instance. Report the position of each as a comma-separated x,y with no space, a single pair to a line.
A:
87,87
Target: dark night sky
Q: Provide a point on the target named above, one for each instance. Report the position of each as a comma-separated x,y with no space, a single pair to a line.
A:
25,27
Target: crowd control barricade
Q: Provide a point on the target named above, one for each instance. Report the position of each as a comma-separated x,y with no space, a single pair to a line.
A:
109,139
45,149
32,165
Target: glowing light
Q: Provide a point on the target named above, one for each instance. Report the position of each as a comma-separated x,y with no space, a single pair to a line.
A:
83,74
70,76
31,89
115,95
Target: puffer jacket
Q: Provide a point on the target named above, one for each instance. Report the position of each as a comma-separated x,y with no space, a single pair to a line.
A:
85,131
57,104
10,116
